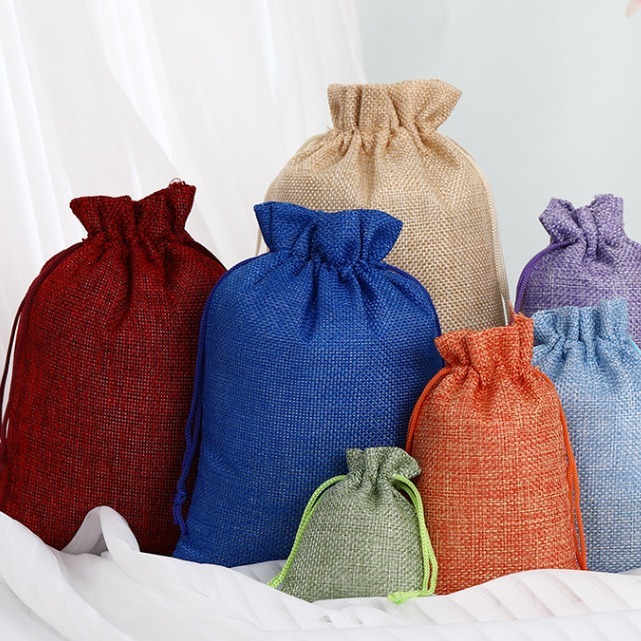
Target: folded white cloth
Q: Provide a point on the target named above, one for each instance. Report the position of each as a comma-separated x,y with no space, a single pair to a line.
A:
102,587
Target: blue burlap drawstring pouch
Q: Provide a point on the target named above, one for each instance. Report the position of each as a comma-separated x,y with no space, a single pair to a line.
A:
306,351
595,365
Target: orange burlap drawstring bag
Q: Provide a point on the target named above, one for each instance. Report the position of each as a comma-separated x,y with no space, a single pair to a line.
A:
499,482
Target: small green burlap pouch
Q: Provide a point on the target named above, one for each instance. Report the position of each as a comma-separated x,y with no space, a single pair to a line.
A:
363,534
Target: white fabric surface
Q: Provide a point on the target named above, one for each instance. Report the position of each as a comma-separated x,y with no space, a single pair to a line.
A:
102,588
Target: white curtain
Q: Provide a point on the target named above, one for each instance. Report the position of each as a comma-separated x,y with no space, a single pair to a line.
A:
121,96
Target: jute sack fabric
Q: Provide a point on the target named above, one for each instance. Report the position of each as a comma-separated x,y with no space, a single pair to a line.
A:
363,534
306,351
501,494
589,259
385,152
103,371
596,367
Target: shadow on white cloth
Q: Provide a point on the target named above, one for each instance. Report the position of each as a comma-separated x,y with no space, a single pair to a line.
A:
102,587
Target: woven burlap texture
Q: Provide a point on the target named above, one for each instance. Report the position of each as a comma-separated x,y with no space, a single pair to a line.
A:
384,152
590,258
363,538
488,433
103,371
590,357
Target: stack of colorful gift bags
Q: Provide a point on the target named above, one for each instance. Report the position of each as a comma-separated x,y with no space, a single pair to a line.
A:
298,375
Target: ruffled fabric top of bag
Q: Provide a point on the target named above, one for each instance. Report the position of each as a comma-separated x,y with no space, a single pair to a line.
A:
590,258
495,351
599,225
607,321
375,108
338,239
375,466
150,221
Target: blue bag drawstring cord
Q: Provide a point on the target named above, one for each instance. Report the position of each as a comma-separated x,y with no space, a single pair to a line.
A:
194,424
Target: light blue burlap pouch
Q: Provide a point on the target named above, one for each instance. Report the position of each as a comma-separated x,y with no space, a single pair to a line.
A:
596,368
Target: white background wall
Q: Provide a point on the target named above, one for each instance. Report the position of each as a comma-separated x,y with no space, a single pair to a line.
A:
551,102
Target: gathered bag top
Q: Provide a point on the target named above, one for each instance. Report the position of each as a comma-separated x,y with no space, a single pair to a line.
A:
105,345
384,152
311,349
502,493
363,534
151,220
596,368
589,259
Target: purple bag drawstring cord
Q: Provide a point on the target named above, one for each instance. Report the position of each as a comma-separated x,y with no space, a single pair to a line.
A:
529,269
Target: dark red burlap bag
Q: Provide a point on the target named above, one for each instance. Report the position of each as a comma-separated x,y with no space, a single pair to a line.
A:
103,371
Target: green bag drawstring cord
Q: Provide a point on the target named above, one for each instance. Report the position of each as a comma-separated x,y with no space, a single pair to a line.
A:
430,566
307,515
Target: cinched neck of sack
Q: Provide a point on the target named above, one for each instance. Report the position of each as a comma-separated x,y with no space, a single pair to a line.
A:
508,349
377,107
599,224
337,240
607,321
153,219
374,465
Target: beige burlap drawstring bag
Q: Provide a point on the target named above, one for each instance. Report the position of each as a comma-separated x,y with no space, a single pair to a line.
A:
384,152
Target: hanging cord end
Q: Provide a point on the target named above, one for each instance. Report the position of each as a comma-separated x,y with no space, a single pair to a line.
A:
430,564
177,510
401,597
194,425
21,316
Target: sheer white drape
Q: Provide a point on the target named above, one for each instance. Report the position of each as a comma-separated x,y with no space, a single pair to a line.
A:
120,96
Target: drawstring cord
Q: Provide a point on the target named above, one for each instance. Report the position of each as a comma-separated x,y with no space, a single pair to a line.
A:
416,412
307,515
5,374
430,566
529,269
193,426
23,315
573,481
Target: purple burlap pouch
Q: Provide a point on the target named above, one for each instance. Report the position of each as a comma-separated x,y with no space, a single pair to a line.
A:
589,259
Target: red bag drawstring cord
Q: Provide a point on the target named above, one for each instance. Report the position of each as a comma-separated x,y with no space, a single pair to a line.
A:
23,313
